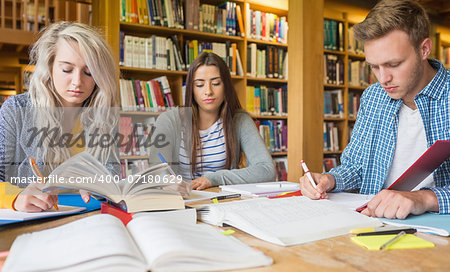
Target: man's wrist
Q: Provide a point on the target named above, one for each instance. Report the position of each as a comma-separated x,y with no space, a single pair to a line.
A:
430,200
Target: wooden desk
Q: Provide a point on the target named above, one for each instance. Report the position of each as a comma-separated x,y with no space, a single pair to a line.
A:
335,254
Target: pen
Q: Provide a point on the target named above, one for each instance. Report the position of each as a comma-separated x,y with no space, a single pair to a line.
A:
393,240
161,158
38,173
226,196
308,174
385,232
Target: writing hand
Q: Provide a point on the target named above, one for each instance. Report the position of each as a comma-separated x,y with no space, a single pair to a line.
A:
398,204
200,183
325,183
32,199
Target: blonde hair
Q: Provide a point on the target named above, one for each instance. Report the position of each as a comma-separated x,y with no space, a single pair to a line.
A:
388,15
98,111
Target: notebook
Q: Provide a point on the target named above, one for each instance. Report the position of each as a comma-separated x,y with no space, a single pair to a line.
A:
438,224
286,221
67,200
102,242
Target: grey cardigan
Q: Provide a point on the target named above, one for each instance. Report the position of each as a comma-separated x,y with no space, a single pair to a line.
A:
259,168
17,144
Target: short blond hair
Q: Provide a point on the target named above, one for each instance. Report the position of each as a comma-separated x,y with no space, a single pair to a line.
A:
388,15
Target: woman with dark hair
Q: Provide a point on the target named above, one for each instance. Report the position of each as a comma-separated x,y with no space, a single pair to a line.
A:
204,140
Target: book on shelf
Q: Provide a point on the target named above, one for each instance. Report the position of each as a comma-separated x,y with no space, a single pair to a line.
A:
330,137
333,103
273,134
144,191
333,35
354,46
286,221
136,136
147,242
138,95
154,52
329,162
266,26
360,74
353,104
281,166
263,100
227,51
266,61
334,69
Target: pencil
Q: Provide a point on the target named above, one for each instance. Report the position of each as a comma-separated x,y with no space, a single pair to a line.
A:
38,173
393,240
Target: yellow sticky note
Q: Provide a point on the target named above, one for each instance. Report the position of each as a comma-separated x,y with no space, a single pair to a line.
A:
361,230
214,200
228,232
374,242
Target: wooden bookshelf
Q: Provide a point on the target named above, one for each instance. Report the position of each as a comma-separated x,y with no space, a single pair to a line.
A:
439,44
106,16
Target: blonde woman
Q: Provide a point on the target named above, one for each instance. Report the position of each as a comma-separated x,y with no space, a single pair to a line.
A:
68,109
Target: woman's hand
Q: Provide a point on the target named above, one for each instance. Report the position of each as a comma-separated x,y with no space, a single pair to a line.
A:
85,196
32,199
200,183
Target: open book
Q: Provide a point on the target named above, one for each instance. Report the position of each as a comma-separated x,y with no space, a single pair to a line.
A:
141,192
286,221
102,242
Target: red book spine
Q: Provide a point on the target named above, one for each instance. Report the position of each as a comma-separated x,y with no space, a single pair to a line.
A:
124,216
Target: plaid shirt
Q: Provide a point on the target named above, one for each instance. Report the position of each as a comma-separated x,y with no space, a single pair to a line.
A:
367,158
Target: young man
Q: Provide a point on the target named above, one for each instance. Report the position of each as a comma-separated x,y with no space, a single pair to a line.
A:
399,117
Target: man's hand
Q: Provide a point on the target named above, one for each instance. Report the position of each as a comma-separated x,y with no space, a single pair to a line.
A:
32,199
200,183
325,183
398,204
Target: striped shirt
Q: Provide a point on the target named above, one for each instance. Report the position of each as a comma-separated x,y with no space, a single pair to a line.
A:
213,157
367,158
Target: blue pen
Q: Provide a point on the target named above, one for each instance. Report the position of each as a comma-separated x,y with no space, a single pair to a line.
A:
161,158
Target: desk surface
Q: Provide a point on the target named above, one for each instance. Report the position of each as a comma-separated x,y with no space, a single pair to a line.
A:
335,254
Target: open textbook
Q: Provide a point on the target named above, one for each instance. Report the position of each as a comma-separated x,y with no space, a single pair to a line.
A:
141,192
103,243
286,221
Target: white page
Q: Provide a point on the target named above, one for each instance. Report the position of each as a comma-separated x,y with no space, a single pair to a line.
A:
8,214
292,220
262,188
91,238
349,200
184,247
185,216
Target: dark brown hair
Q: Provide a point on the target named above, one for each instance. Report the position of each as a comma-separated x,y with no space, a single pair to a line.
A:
388,15
227,110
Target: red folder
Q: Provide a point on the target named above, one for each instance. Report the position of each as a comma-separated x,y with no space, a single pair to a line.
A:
124,216
438,153
423,167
